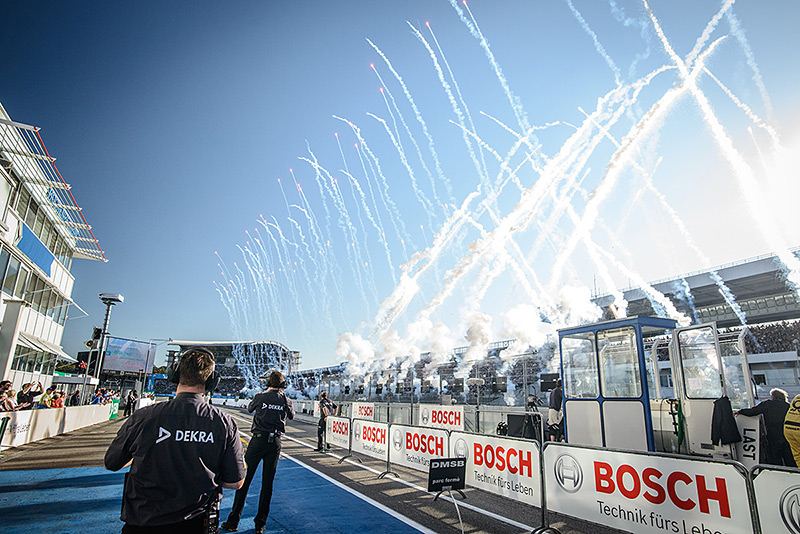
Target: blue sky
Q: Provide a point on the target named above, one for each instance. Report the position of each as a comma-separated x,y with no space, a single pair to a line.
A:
173,122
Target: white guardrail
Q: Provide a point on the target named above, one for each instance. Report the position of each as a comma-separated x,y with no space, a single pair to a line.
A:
632,491
26,426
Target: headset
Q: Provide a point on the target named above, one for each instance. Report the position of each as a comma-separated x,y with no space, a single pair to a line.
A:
173,374
282,385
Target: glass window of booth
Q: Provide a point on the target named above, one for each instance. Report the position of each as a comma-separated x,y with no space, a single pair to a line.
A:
580,365
619,363
700,362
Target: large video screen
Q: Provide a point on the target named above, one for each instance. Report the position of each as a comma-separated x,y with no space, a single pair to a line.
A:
129,356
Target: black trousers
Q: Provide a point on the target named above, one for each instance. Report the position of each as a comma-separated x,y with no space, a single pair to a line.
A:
258,450
321,439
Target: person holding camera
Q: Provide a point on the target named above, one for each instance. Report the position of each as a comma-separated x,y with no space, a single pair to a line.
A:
271,408
181,453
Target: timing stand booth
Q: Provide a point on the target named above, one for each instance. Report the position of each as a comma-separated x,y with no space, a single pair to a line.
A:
612,392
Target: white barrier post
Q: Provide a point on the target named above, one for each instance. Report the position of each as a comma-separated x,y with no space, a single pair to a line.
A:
776,494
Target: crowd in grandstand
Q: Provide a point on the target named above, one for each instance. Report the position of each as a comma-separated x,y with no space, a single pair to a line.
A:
773,337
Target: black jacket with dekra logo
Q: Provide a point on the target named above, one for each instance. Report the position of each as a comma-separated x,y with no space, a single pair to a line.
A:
271,408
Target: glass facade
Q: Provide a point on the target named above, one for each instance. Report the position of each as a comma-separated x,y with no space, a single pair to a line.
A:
36,219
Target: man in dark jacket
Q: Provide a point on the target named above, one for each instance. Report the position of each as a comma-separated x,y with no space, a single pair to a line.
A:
271,408
774,412
326,407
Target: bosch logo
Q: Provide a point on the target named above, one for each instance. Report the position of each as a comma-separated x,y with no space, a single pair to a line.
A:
569,474
357,431
397,440
790,509
461,449
340,427
426,416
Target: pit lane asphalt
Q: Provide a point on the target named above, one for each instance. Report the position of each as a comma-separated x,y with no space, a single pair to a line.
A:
480,512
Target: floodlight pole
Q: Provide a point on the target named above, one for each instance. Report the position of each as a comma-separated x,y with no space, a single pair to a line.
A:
109,299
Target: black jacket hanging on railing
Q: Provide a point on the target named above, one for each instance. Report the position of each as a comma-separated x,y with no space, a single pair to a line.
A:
723,425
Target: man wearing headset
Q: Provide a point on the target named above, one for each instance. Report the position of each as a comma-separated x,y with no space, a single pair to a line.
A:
181,453
271,409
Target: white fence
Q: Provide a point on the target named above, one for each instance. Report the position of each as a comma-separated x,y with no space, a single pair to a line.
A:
26,426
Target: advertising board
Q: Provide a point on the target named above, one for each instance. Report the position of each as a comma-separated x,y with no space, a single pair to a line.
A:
447,417
363,410
646,493
777,496
504,466
128,356
371,438
337,431
413,446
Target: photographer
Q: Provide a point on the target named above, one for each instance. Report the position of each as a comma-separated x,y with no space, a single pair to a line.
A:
182,452
272,408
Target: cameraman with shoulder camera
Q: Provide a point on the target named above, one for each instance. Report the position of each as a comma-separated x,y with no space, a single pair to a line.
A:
272,407
181,453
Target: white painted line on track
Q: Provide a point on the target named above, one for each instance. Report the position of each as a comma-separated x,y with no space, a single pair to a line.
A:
461,503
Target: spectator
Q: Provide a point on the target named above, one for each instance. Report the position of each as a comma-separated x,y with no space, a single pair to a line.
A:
58,400
774,412
26,397
555,414
47,398
5,404
75,398
11,397
5,385
130,403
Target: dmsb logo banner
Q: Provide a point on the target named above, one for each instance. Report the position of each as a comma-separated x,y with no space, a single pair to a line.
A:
645,493
778,500
503,466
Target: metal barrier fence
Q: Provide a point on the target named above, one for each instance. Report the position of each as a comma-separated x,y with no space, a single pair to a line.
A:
638,492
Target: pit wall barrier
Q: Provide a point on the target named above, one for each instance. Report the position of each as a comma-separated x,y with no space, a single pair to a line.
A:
26,426
638,492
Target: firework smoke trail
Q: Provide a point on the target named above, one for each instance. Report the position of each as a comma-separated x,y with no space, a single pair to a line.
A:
255,304
381,235
741,170
684,293
383,187
737,32
463,105
345,225
640,131
749,112
707,31
423,200
598,46
619,15
516,105
480,165
270,291
369,274
289,279
417,114
327,268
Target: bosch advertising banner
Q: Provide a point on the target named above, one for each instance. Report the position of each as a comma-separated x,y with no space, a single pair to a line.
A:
777,496
503,466
363,410
646,493
337,431
435,416
371,438
413,446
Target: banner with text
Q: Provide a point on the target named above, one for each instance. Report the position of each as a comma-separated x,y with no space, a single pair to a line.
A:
435,416
363,410
777,496
414,446
337,431
645,493
503,466
371,438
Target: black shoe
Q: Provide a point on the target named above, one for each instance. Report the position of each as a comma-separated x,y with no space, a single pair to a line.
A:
317,450
230,526
260,529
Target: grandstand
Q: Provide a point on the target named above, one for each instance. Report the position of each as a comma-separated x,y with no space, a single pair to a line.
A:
241,364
